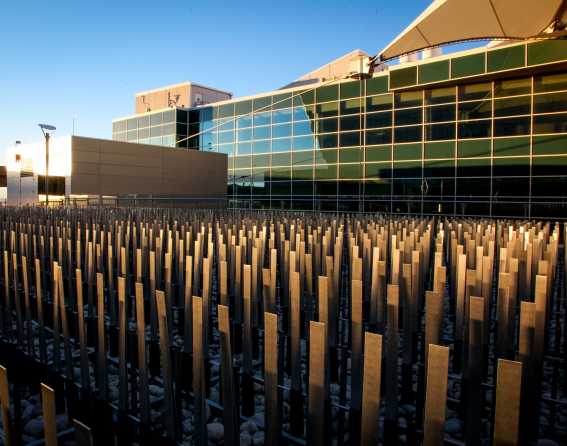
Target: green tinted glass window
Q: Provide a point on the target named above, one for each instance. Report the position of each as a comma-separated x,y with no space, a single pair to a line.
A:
261,161
467,65
520,105
550,165
328,93
350,123
407,152
326,172
281,101
327,125
241,162
243,107
351,89
327,110
403,78
440,132
550,102
550,123
511,166
475,110
262,103
303,158
304,98
350,171
378,170
434,72
408,116
481,147
377,85
351,106
281,159
550,145
376,137
326,156
379,103
550,82
349,139
547,51
351,155
440,113
327,141
303,173
512,87
512,126
506,58
434,150
473,167
408,99
407,169
226,111
379,153
475,91
378,120
438,168
475,129
408,134
512,146
440,95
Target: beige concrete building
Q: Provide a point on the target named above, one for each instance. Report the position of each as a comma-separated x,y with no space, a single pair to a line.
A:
93,170
185,94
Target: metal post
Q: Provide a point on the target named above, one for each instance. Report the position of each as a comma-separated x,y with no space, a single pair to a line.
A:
46,170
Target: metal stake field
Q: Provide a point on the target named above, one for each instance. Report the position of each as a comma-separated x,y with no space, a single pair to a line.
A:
177,326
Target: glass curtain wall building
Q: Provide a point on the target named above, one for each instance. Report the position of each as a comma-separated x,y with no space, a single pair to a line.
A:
478,133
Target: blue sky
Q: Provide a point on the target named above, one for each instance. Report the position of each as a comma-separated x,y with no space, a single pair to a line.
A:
61,59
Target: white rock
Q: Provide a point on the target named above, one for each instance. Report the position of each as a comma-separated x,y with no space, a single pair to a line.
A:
259,419
245,438
249,426
258,438
27,413
215,432
155,390
61,422
452,426
34,427
187,426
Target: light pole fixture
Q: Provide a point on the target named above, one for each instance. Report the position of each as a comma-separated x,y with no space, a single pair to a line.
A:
46,128
19,163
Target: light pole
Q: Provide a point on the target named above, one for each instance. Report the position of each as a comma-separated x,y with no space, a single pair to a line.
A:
19,163
46,134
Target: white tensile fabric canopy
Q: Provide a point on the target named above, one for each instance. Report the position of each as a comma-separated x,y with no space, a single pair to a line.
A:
449,21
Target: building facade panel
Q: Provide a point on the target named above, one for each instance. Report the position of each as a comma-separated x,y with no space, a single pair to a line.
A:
479,133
